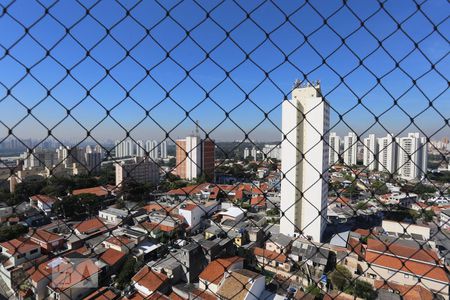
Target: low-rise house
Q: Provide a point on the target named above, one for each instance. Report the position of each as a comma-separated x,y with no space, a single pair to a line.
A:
406,262
120,243
48,240
401,199
43,203
78,280
16,257
114,215
99,191
271,260
279,243
211,277
113,260
147,282
241,284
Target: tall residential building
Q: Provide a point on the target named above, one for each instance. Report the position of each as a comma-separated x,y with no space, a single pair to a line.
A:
93,159
195,157
370,156
163,149
304,163
140,148
140,170
412,156
154,150
246,152
335,146
254,153
272,151
350,149
387,154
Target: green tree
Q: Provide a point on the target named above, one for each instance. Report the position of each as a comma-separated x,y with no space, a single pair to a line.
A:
341,278
379,188
12,232
363,289
126,273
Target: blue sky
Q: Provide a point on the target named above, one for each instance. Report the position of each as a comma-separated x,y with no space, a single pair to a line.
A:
148,75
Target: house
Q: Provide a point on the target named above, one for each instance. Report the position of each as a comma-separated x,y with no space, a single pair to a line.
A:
99,191
114,215
43,203
147,282
279,243
271,260
113,259
258,203
120,243
78,280
92,226
406,262
211,277
241,284
233,213
401,199
48,240
16,256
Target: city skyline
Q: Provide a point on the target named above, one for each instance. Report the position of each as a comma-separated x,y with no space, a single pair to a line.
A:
246,75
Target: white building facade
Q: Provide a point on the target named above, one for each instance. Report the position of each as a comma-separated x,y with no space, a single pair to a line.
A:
387,154
350,149
370,150
334,143
304,189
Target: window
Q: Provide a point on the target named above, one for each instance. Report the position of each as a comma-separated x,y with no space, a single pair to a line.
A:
34,251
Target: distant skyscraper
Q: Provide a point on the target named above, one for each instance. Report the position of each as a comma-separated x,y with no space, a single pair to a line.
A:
387,154
370,152
140,149
350,149
154,150
304,163
254,153
412,158
195,157
163,147
246,152
334,151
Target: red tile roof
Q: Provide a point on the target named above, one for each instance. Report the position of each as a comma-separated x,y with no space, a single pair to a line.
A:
188,206
45,236
416,268
119,240
150,279
215,270
408,292
102,294
43,198
99,191
19,245
271,255
112,256
92,225
397,249
258,201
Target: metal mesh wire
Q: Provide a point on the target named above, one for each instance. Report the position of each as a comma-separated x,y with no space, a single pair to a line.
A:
108,73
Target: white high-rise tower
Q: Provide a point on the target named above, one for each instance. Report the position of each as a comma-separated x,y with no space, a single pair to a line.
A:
350,149
304,189
163,149
370,152
387,149
412,158
334,144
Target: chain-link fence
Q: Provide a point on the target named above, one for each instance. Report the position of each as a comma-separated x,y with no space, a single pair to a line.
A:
188,150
